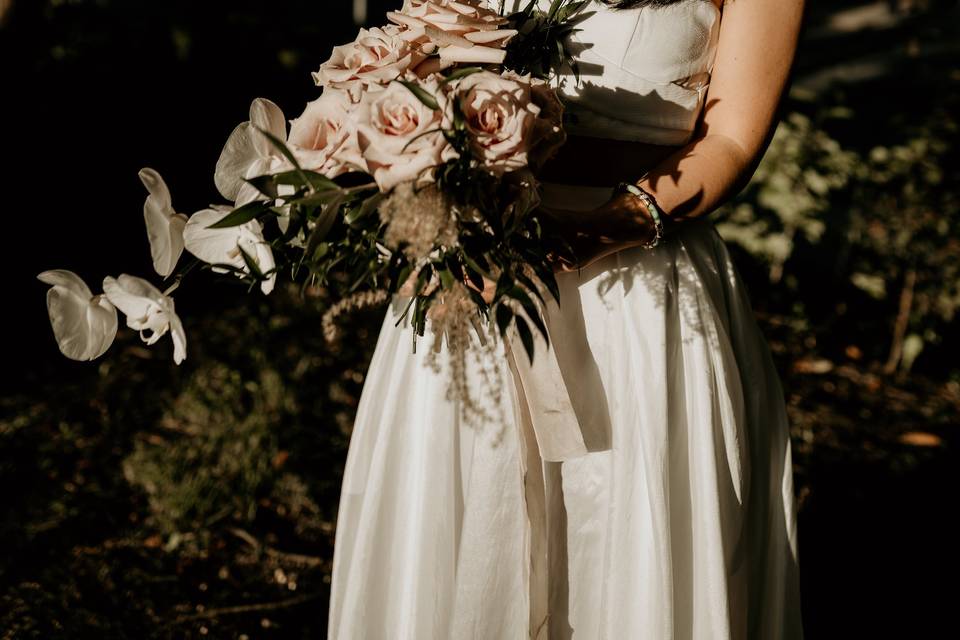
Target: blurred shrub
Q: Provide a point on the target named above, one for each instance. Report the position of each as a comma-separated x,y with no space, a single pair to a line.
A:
790,193
877,225
213,459
904,228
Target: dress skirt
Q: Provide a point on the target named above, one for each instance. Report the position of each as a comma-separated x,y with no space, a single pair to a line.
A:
678,523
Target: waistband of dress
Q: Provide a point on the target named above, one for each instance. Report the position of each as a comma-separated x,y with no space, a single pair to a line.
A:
574,196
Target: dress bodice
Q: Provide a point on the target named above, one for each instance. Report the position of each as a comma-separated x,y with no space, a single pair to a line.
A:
643,72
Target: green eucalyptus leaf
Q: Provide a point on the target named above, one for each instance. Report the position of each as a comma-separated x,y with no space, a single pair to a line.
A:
241,215
461,73
459,119
403,276
266,185
369,206
454,265
446,278
526,336
532,311
554,7
479,262
327,217
420,135
285,151
504,315
421,94
296,223
570,11
423,278
549,279
304,178
476,279
530,285
281,146
217,267
251,264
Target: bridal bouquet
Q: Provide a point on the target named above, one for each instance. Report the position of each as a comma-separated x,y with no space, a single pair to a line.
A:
413,173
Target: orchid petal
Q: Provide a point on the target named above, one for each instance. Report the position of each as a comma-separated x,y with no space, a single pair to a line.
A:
267,116
259,167
164,224
213,246
84,325
68,280
179,337
237,155
148,311
134,296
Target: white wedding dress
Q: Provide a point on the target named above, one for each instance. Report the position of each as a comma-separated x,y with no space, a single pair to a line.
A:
677,520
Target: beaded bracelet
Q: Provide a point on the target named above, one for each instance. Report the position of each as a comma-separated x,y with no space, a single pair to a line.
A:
652,208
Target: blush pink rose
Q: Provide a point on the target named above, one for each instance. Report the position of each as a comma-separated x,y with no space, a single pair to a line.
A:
464,31
502,117
376,57
323,138
398,135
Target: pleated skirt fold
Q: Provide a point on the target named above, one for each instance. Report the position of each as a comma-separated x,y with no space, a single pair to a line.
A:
679,524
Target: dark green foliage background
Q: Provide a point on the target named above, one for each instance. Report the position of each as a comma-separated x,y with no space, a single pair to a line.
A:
142,500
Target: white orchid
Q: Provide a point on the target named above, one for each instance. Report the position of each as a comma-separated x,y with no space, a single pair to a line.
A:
248,153
164,224
83,324
227,245
148,311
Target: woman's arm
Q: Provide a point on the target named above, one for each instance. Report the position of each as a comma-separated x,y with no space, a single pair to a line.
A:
755,51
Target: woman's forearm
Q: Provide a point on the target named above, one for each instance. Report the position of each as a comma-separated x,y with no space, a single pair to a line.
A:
698,177
755,50
689,183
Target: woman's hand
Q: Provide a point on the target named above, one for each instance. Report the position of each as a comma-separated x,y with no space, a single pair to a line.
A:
620,223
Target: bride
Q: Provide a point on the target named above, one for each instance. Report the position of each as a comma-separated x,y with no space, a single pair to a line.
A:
674,517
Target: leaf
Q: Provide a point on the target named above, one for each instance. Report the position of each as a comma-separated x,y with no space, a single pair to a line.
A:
481,308
369,206
327,217
421,94
402,277
549,279
322,249
446,278
240,216
294,225
266,185
420,135
461,73
316,180
554,7
571,10
528,10
454,265
319,197
285,151
251,264
530,285
518,294
478,262
504,315
218,267
526,336
423,278
474,267
476,279
459,119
